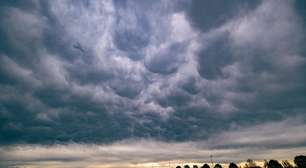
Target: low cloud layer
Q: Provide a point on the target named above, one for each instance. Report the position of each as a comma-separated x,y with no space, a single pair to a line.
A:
102,72
234,145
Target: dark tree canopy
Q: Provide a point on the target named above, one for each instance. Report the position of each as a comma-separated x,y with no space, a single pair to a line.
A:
186,166
218,166
233,165
205,166
274,164
300,161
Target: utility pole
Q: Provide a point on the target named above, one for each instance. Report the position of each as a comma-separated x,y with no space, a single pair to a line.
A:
212,163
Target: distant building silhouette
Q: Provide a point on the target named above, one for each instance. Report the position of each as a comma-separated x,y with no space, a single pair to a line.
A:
251,164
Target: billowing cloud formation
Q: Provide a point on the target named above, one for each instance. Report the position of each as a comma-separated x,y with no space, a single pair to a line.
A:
179,71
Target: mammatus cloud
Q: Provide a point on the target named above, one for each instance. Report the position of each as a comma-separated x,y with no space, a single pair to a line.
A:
176,74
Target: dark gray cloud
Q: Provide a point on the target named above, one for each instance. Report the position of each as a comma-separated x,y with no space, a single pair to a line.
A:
133,29
213,14
167,60
215,56
234,145
104,71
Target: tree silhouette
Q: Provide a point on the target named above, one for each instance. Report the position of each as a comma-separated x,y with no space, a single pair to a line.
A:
300,161
232,165
218,166
178,167
274,164
205,166
195,166
186,166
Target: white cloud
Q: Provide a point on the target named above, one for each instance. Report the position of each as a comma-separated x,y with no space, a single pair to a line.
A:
289,132
273,21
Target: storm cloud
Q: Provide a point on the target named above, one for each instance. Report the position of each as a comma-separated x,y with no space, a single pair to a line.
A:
104,72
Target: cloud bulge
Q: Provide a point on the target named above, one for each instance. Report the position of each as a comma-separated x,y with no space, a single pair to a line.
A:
106,72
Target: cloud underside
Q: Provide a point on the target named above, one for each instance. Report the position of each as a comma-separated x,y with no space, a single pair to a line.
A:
235,145
176,74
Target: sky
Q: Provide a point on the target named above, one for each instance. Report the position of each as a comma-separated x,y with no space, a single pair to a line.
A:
118,83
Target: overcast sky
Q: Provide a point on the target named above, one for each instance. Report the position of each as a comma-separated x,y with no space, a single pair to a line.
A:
90,82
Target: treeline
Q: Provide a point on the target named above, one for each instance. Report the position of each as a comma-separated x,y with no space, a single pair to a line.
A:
299,161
